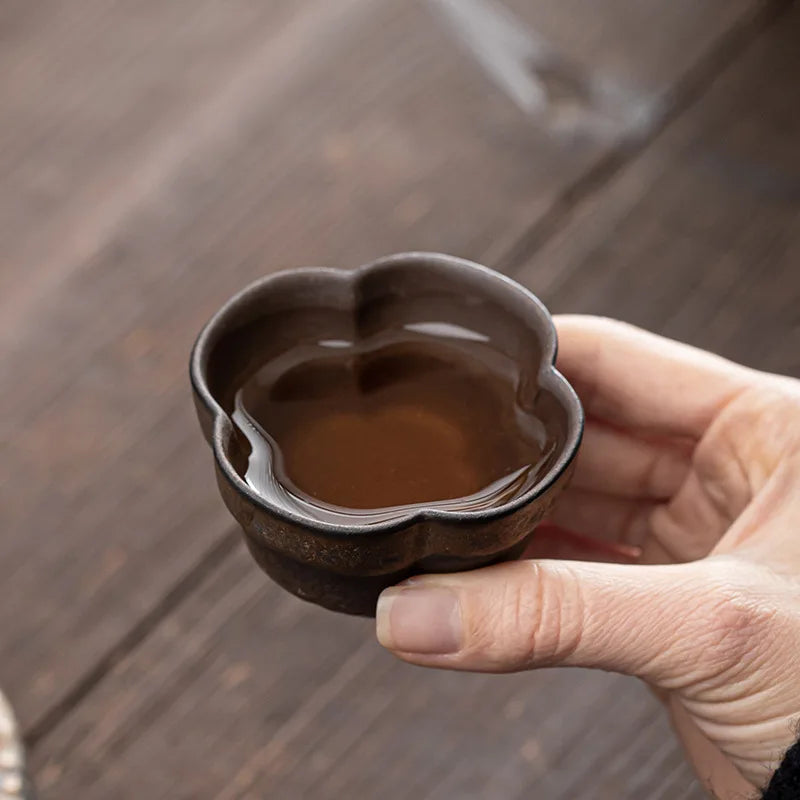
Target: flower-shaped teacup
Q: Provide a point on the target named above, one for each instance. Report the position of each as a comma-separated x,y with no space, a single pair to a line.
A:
343,560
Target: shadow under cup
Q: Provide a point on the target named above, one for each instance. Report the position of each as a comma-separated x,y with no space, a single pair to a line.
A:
342,559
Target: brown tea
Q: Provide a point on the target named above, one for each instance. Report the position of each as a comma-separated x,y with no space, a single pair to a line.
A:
342,430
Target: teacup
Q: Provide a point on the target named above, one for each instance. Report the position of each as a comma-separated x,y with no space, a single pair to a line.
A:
343,560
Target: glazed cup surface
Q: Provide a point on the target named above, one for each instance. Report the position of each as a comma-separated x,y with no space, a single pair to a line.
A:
344,567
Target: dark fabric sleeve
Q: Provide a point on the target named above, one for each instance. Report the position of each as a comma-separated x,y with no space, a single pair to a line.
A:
785,783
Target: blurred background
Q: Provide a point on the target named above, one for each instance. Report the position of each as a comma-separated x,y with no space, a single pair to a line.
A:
632,158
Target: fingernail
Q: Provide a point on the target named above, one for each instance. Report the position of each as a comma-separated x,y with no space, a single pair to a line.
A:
419,619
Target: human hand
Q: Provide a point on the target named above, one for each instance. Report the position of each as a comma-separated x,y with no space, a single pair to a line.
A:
690,467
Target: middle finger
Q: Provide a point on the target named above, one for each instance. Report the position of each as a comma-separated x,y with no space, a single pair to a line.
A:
616,462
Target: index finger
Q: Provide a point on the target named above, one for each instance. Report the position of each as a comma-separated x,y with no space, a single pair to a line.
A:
633,378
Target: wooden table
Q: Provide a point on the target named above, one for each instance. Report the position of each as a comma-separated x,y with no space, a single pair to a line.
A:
156,156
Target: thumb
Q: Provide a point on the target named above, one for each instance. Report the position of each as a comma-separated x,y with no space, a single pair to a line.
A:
649,621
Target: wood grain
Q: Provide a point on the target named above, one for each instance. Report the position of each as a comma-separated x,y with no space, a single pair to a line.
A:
111,497
699,236
300,134
159,159
247,692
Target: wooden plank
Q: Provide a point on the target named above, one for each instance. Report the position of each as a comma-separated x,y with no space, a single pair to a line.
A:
632,43
97,103
248,692
662,57
191,154
294,648
698,237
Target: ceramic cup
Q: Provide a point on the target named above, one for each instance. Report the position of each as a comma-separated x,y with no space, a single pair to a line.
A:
345,566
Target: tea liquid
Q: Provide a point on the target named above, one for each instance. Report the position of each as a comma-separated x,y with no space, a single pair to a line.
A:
409,419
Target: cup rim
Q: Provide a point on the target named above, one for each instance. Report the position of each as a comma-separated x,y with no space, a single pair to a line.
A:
549,377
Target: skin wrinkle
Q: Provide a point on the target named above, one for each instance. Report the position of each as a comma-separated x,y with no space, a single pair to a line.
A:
734,625
707,706
481,629
578,612
645,667
709,687
755,520
710,466
744,476
745,378
776,447
539,613
652,668
752,764
710,490
711,613
716,486
757,731
745,692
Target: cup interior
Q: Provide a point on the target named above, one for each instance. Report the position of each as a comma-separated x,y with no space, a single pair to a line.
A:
467,305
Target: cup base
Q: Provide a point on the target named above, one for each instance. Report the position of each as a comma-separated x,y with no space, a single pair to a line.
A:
358,595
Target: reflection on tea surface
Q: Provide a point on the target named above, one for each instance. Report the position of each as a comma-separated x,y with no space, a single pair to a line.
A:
360,432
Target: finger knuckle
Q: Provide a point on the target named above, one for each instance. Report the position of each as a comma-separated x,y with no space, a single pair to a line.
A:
532,623
756,433
736,622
